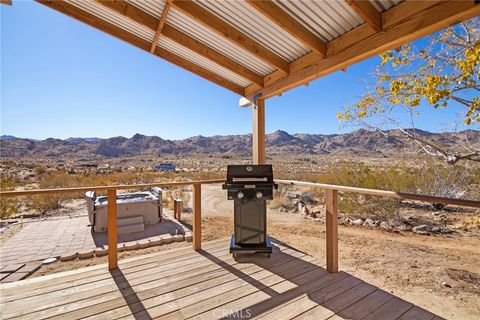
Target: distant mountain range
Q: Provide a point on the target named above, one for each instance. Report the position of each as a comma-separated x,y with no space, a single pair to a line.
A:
361,142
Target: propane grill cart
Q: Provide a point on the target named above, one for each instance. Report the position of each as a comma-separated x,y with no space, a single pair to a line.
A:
250,186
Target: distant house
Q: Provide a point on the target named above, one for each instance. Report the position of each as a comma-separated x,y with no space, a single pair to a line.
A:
165,167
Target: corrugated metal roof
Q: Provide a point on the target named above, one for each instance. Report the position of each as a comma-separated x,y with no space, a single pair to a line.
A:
114,18
139,30
383,5
327,19
206,36
154,7
200,60
212,39
252,23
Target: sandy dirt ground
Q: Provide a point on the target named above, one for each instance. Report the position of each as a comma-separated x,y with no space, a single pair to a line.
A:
437,273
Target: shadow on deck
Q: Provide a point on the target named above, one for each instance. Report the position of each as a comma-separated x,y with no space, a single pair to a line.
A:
181,283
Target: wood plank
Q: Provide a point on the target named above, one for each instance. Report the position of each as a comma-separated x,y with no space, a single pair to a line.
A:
12,268
151,22
6,2
290,24
112,229
161,24
391,310
315,297
96,290
366,306
438,15
138,42
417,313
218,25
161,310
367,12
285,271
197,217
258,136
160,302
317,278
331,224
342,301
173,265
59,281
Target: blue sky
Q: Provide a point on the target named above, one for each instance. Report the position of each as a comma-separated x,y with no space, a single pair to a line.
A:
61,78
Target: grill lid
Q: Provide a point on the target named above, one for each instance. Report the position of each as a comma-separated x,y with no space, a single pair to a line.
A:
262,173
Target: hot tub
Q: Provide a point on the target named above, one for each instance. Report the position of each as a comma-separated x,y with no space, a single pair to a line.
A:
131,207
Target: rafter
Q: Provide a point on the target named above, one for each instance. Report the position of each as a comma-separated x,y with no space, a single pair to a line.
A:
161,23
218,25
7,2
290,24
368,13
181,38
403,23
83,16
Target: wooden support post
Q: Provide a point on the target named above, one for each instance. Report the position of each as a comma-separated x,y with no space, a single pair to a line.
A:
332,230
112,229
258,111
197,217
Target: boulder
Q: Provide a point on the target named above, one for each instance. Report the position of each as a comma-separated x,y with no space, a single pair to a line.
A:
369,223
422,229
357,222
384,225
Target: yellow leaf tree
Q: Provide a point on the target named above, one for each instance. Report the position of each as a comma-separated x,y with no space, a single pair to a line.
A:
445,71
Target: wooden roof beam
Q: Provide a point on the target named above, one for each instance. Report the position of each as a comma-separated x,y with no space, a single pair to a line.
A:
402,24
86,17
161,23
229,32
290,24
181,38
7,2
368,12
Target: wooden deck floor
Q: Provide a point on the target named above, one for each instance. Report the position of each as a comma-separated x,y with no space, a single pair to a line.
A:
182,283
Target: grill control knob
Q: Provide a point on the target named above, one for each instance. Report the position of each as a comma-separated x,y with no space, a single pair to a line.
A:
259,195
240,195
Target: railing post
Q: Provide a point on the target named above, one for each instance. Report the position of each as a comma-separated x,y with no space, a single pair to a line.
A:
332,230
197,216
112,229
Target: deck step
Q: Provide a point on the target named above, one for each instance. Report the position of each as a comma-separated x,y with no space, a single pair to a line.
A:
130,219
129,228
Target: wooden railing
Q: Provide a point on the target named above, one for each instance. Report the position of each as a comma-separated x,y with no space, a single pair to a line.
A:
331,214
112,208
331,192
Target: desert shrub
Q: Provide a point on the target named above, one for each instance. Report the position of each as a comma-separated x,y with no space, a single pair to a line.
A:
280,199
39,170
44,203
8,206
442,181
433,178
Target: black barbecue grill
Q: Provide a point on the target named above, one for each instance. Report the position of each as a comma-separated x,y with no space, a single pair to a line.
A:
249,186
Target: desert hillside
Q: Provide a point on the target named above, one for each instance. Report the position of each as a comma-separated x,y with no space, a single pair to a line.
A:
359,142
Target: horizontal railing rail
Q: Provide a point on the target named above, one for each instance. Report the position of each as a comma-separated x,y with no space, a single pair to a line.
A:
331,209
331,192
112,208
105,188
385,193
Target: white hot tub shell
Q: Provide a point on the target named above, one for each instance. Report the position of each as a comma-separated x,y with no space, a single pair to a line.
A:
145,204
